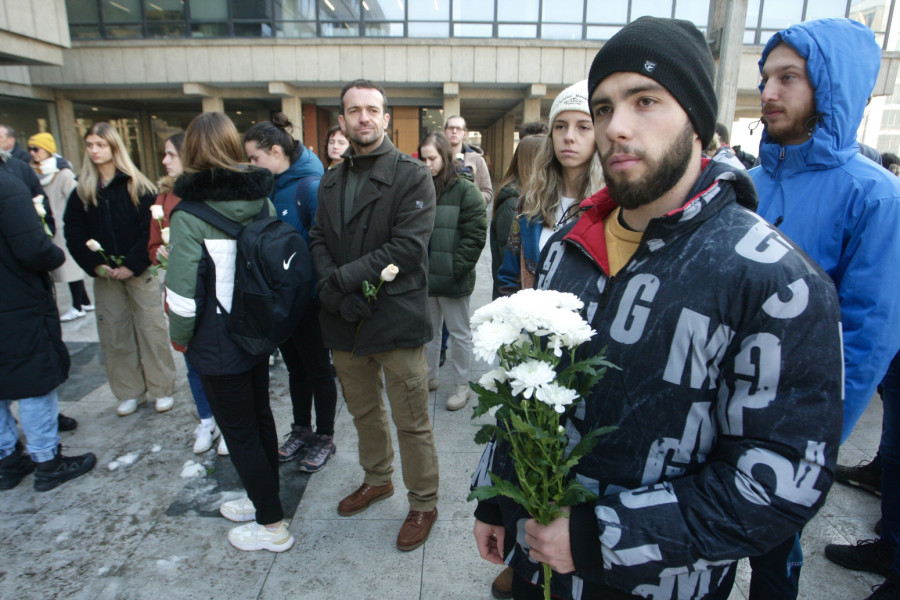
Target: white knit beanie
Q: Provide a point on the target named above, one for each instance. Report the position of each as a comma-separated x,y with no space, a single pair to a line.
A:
574,97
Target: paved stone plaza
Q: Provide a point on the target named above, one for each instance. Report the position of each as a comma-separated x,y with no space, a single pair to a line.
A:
143,531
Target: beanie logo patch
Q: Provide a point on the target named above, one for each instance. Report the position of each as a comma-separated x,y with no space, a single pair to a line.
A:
649,66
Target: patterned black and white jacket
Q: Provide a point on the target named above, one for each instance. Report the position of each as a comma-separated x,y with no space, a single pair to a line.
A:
727,407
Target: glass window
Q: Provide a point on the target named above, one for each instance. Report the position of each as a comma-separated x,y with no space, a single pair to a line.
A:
563,11
822,9
290,29
253,9
295,10
384,10
604,11
434,10
82,11
209,10
158,29
473,10
164,10
84,32
209,30
121,11
430,120
517,10
252,29
472,30
384,30
428,30
695,11
124,31
335,10
344,29
873,15
561,32
597,32
654,8
516,31
781,14
891,118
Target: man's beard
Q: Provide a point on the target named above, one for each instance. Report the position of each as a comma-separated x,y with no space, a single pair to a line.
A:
661,176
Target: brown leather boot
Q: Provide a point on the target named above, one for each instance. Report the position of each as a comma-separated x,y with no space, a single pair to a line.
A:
365,495
501,589
415,529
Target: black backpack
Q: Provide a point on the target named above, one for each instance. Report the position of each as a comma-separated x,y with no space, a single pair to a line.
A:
273,278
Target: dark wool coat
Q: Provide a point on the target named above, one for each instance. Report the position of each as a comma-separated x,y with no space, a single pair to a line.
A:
727,407
460,228
122,228
391,222
33,359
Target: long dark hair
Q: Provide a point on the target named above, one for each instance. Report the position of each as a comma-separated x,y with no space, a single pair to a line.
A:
447,174
211,141
177,140
275,133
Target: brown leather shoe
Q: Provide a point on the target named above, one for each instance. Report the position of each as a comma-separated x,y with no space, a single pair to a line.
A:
365,495
501,589
415,529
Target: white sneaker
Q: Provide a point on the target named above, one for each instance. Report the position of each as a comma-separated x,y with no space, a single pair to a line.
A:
239,510
165,403
254,536
87,307
459,398
72,314
204,436
222,450
126,407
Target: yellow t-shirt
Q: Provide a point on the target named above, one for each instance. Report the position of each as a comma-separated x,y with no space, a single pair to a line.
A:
621,243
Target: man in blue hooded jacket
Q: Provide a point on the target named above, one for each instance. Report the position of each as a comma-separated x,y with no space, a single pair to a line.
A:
844,211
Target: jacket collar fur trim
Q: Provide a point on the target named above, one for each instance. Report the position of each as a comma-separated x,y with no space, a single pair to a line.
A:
247,183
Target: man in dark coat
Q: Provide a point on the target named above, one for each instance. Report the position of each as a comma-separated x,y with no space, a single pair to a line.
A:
33,359
376,209
9,143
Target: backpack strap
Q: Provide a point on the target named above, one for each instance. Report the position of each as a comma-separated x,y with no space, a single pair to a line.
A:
206,213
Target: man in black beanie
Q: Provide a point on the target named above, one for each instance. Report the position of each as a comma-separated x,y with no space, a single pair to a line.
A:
727,408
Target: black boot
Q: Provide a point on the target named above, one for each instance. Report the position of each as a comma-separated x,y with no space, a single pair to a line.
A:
61,469
13,469
65,423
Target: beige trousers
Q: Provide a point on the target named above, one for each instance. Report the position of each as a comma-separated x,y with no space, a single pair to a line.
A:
134,337
404,372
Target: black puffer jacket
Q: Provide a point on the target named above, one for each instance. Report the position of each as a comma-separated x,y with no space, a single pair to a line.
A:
727,408
122,228
33,359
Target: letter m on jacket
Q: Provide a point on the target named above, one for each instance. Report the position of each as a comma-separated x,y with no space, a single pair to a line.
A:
693,347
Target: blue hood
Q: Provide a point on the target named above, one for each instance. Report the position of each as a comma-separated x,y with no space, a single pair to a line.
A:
308,164
843,82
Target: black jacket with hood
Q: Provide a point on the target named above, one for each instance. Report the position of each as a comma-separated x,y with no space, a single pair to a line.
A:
727,407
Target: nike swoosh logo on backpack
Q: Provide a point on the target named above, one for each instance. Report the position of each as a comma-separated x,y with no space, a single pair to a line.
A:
287,263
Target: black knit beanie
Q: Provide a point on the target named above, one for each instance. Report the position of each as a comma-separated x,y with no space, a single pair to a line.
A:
672,52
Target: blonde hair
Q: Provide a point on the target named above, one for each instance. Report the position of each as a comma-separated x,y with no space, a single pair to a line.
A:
211,141
89,179
522,165
544,188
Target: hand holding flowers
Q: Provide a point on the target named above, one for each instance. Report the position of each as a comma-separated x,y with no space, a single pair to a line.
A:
158,213
38,202
119,272
370,292
535,334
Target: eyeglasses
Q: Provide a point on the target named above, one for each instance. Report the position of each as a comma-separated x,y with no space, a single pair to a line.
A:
33,149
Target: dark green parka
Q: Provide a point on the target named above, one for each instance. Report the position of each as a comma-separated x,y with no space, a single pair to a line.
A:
460,230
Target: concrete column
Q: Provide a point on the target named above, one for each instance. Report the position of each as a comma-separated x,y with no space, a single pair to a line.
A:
292,106
149,166
730,35
507,144
69,141
531,106
213,104
451,100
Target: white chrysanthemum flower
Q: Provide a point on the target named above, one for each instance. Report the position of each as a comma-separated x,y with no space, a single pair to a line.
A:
490,312
488,337
490,379
557,396
525,378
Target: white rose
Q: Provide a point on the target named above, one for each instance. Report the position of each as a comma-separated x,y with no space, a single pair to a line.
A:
390,272
157,212
94,245
39,199
40,210
164,232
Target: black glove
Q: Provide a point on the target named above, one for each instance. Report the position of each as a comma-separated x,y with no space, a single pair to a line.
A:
354,308
330,296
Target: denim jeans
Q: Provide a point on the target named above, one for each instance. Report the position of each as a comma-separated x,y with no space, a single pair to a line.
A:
890,459
197,391
38,417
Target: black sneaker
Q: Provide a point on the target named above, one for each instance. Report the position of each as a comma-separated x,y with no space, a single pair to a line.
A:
13,469
873,556
61,469
65,423
865,475
295,441
318,453
889,590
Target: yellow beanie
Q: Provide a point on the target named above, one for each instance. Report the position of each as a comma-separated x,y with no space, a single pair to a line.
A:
43,140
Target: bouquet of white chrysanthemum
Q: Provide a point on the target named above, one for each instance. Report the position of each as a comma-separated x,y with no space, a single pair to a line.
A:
535,334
